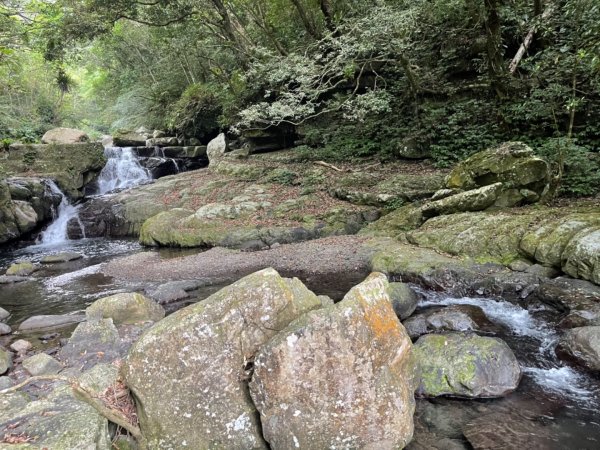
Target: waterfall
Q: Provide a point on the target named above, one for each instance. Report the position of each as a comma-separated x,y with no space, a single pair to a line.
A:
122,170
56,232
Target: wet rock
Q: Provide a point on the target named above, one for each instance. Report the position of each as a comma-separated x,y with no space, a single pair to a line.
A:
4,314
21,346
42,364
61,257
5,383
500,431
125,308
4,329
197,359
404,299
365,402
92,342
5,360
465,365
5,279
579,298
50,321
22,269
64,136
58,420
450,318
582,346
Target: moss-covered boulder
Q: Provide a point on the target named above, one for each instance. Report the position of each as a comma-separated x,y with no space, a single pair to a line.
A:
404,299
21,269
126,308
344,374
465,365
581,257
64,136
57,420
189,371
42,364
72,166
513,163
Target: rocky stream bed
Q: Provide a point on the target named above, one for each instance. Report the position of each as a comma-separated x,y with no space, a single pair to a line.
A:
303,307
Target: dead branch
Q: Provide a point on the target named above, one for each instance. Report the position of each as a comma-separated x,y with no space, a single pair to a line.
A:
330,166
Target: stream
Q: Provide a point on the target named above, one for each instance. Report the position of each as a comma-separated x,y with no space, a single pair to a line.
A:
559,403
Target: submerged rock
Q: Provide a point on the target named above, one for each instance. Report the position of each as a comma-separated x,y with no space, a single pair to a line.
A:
126,308
42,364
50,321
189,371
466,365
581,345
22,269
341,375
61,257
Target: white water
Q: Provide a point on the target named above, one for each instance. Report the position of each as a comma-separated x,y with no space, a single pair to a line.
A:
56,233
122,170
553,376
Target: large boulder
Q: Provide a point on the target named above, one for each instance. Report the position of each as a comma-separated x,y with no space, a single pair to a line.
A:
465,365
125,138
581,345
513,163
189,371
64,136
217,148
72,166
339,376
126,308
581,257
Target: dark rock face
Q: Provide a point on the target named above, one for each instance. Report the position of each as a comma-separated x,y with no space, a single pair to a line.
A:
451,318
581,346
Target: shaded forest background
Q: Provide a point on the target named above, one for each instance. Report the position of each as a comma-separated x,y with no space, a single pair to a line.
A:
350,78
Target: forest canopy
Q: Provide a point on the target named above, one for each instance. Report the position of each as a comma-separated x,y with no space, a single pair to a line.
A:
352,78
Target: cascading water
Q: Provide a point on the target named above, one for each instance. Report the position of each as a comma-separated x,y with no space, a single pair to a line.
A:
56,233
122,170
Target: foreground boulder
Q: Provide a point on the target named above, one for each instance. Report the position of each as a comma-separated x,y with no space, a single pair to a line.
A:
339,376
126,308
582,346
466,365
5,360
64,136
188,371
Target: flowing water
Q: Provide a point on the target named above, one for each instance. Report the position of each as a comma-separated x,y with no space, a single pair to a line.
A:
122,170
56,232
561,401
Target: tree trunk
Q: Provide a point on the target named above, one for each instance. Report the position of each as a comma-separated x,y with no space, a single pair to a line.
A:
309,26
494,47
327,11
527,42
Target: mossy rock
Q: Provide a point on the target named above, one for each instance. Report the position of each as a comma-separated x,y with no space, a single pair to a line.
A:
126,308
465,365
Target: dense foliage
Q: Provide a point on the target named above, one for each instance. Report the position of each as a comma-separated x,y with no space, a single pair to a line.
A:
354,77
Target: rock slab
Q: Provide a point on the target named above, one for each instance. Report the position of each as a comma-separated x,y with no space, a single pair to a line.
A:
338,377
